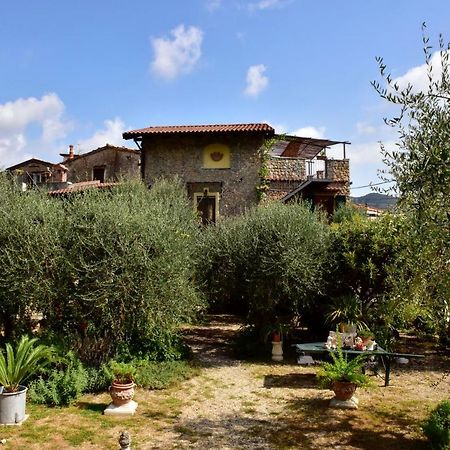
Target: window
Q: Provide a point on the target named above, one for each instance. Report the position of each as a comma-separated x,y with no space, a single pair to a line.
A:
98,173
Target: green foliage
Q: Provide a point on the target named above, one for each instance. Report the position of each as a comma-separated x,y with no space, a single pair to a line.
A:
98,378
347,212
128,271
421,169
22,362
29,240
123,373
266,263
60,386
437,427
343,368
110,271
264,157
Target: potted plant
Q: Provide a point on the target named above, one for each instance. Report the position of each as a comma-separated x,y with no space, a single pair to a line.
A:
122,387
343,375
346,311
17,367
275,332
366,335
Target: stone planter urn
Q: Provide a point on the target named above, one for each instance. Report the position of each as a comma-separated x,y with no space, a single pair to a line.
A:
121,394
344,390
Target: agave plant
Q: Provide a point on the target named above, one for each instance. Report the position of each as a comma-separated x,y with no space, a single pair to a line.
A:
22,363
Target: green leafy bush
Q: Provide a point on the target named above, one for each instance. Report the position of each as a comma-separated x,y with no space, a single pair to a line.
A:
128,270
60,386
437,427
266,263
98,378
29,255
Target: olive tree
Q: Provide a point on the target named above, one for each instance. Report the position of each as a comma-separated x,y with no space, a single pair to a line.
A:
420,167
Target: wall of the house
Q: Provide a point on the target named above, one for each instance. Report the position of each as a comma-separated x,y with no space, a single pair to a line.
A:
27,172
166,156
118,164
338,170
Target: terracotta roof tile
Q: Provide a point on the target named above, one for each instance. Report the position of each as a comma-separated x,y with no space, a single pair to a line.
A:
82,186
216,128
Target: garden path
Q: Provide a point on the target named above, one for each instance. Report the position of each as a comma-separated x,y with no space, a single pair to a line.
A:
263,405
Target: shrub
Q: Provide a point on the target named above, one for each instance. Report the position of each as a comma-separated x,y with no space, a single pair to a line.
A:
60,386
437,427
29,255
266,263
98,378
126,277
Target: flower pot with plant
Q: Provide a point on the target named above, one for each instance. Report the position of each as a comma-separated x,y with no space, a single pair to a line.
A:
275,332
366,335
343,375
122,387
18,366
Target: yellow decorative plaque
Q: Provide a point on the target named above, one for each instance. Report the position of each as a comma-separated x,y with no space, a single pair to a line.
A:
216,156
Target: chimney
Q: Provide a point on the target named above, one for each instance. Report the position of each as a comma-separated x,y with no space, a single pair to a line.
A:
71,153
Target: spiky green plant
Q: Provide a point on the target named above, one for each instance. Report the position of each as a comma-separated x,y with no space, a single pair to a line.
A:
343,369
22,363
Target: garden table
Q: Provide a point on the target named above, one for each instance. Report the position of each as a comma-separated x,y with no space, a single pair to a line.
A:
385,356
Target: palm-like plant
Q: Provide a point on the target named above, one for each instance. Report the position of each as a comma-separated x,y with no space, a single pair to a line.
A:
22,362
343,369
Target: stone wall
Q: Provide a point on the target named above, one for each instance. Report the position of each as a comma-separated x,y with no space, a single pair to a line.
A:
338,170
166,156
118,164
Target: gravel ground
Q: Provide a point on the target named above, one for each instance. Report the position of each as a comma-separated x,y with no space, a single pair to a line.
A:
239,405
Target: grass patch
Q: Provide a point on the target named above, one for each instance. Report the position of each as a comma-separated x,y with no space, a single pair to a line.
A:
161,375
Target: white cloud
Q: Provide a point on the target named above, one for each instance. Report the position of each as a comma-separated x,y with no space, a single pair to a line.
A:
111,133
47,113
309,131
367,153
365,128
256,80
418,76
179,55
261,5
213,5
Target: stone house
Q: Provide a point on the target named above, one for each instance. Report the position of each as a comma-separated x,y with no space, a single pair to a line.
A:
38,173
227,168
104,164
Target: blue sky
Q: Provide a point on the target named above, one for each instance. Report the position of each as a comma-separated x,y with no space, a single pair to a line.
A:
83,72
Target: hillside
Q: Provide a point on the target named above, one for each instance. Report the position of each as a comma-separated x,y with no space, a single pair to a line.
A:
381,201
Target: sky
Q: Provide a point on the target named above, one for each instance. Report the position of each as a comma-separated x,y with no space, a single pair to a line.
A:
84,72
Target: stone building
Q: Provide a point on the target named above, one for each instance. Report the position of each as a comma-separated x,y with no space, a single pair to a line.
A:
105,164
225,166
38,173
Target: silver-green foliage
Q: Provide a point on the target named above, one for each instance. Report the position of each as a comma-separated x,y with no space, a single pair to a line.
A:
421,169
267,262
127,269
19,364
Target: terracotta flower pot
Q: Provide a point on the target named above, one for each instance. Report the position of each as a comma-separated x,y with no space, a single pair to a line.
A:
120,393
344,390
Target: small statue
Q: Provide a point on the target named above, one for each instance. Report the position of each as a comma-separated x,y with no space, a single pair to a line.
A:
125,441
